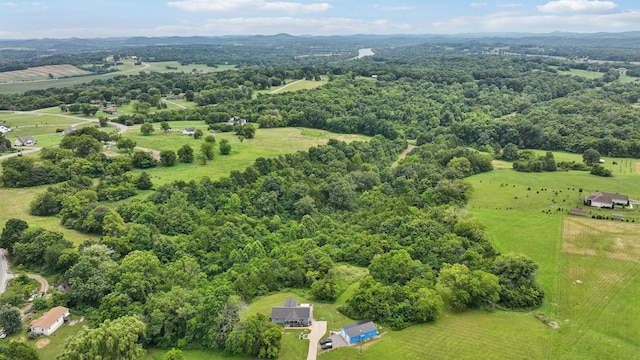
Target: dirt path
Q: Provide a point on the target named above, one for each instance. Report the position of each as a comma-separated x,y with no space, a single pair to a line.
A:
174,103
403,155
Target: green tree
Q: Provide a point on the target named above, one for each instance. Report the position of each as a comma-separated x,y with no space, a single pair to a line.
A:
146,129
165,126
11,233
197,134
143,160
591,156
168,157
16,350
174,354
510,152
10,319
143,182
120,339
185,154
126,144
210,139
225,147
468,288
206,149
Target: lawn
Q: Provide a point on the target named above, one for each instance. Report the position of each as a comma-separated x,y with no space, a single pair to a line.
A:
157,354
583,73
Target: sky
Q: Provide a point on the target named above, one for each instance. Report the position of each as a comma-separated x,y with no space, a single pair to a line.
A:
124,18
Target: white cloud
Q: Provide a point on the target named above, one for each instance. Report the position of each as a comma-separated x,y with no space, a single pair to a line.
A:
393,8
578,6
517,22
478,5
10,4
248,6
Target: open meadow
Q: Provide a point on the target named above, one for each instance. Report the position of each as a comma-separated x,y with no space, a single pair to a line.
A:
589,268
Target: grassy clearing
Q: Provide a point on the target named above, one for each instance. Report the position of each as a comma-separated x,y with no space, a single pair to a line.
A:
171,66
583,73
15,204
267,143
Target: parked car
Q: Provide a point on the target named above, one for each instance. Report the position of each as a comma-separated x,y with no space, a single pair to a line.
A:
324,341
327,346
3,335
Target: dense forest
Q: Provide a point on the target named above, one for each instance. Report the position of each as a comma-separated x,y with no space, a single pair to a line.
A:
179,264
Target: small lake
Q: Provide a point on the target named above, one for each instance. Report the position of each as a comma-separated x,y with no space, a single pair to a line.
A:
364,52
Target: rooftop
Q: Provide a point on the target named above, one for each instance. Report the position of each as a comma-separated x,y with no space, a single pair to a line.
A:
358,327
50,317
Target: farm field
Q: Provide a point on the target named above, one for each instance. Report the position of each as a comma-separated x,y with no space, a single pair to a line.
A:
589,268
41,73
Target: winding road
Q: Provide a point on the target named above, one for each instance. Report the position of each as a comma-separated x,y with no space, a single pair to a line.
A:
5,274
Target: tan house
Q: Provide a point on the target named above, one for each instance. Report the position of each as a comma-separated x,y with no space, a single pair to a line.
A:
48,323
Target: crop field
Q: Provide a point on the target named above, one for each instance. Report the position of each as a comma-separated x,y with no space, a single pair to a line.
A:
589,269
41,73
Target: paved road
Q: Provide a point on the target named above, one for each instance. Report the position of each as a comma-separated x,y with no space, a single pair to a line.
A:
284,87
23,152
318,328
4,271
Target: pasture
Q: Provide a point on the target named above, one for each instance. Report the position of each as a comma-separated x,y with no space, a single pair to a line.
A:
588,268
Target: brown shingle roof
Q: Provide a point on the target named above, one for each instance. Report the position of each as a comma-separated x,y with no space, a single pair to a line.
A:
45,321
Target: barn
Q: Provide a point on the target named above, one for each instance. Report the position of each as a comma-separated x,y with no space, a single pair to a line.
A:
359,331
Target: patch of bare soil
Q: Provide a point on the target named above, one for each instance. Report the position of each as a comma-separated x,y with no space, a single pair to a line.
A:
42,342
73,322
638,167
589,237
110,153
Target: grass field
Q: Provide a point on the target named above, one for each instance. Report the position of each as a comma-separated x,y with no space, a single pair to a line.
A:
589,269
267,143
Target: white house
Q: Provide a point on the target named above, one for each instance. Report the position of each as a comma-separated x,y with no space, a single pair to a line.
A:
4,129
48,323
24,141
606,200
189,131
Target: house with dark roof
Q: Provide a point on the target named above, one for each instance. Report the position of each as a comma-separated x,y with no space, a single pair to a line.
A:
24,141
606,200
48,323
292,313
359,331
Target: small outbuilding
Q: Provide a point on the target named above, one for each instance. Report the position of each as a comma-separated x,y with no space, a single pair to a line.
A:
359,331
578,212
292,313
48,323
189,131
617,217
